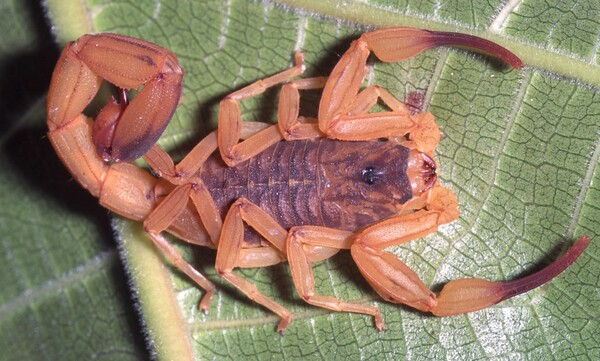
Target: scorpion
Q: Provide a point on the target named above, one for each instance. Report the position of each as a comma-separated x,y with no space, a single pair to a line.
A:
297,191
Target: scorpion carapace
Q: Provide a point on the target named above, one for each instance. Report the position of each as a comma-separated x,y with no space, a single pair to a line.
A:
309,187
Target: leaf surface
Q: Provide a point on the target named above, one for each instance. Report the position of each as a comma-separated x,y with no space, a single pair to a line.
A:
520,149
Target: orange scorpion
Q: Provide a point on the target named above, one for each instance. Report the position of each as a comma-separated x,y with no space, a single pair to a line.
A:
296,191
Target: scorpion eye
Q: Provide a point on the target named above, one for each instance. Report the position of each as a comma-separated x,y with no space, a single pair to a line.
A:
370,175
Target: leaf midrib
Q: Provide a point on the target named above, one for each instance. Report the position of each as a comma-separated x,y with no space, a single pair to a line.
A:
53,286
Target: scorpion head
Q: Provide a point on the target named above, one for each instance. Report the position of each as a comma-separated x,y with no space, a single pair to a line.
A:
421,172
362,182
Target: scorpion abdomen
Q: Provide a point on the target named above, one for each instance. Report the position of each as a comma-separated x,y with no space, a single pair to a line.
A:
324,182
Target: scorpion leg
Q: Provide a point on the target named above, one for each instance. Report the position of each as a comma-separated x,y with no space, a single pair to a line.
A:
159,220
162,163
358,124
230,245
299,241
208,211
230,120
291,125
175,203
294,127
369,96
423,132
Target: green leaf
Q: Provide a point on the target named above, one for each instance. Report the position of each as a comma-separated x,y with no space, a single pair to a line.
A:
520,150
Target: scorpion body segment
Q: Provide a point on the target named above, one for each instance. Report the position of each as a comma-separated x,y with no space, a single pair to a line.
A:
305,187
320,182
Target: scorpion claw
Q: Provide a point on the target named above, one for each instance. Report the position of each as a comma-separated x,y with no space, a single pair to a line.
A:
396,44
472,294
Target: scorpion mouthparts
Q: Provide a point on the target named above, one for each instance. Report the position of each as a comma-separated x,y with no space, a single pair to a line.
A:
421,171
429,171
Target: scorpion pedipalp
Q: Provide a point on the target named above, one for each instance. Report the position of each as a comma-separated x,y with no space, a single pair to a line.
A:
342,94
